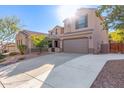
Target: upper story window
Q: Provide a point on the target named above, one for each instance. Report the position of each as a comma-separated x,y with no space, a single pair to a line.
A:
51,33
81,22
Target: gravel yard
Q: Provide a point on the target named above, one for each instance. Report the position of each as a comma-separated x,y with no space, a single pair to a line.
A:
111,76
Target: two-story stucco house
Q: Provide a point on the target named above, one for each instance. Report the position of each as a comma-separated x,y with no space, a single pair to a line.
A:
24,38
54,35
83,33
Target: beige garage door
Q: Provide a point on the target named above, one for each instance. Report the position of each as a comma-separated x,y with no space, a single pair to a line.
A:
76,45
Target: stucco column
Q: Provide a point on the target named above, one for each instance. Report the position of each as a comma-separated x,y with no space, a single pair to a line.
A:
61,45
91,49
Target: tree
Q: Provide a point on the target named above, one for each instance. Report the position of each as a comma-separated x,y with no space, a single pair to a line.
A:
40,41
9,26
117,36
113,16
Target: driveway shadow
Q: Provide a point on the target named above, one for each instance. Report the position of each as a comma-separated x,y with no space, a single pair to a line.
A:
31,64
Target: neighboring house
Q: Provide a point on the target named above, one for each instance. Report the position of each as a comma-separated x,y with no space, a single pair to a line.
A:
83,33
9,47
54,35
24,38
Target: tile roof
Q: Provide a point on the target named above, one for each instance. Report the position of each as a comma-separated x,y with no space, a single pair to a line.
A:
29,33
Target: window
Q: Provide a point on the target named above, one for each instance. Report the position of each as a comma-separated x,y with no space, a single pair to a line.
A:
51,33
82,22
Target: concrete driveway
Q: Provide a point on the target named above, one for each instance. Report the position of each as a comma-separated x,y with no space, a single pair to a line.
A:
79,72
25,73
56,71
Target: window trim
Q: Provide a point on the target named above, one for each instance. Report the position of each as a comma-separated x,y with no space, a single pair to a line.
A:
80,25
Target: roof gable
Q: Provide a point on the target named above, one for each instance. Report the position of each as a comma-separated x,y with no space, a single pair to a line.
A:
29,33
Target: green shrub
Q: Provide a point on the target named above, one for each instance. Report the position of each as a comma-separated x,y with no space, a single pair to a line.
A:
2,56
22,49
50,44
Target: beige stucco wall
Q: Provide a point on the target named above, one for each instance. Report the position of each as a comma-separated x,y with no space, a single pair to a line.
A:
80,34
98,35
69,24
11,48
56,37
59,30
26,40
22,37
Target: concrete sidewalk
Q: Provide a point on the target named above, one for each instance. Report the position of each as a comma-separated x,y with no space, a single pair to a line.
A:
76,72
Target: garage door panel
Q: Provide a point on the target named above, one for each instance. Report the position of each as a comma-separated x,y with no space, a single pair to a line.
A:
76,45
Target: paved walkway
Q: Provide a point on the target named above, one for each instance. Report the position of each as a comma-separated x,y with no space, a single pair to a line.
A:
77,72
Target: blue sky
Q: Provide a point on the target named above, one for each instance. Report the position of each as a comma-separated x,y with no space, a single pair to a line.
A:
38,18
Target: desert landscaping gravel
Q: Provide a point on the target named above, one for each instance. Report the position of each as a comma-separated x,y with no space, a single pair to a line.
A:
111,76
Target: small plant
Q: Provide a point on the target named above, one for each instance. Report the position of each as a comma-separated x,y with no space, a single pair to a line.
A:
22,49
2,56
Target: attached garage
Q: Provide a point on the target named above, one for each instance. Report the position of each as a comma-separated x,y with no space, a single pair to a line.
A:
76,45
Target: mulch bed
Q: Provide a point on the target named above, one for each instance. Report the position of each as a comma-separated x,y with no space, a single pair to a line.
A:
111,76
